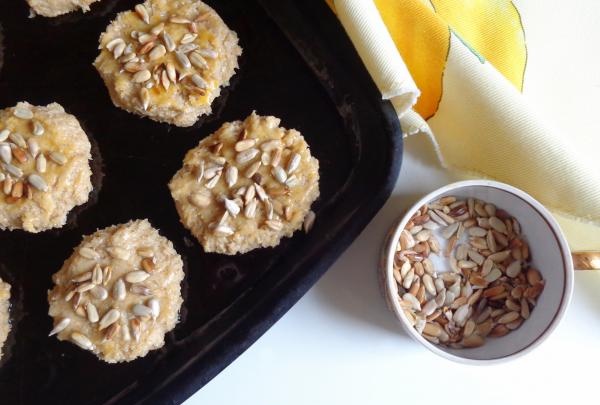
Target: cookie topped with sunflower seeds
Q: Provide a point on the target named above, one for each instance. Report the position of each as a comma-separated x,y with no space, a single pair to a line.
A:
4,318
246,186
167,60
54,8
119,293
44,166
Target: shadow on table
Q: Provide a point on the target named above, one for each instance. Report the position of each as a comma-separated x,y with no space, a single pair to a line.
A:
587,283
351,286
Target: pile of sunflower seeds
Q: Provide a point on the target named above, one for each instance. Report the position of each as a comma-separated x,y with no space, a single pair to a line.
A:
490,288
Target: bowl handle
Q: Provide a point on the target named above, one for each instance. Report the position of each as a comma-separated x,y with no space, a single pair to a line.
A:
586,260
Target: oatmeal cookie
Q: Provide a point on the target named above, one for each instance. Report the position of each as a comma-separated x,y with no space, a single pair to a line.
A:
246,186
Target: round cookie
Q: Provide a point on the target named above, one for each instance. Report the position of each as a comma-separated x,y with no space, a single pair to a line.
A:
119,293
53,8
246,186
167,60
4,320
44,167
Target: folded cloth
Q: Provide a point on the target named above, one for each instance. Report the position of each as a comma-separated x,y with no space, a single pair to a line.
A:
456,72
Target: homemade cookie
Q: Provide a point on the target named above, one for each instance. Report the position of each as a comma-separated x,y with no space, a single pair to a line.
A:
53,8
119,293
246,186
4,304
167,60
44,167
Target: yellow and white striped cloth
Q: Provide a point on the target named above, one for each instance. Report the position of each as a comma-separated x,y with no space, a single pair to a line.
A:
507,90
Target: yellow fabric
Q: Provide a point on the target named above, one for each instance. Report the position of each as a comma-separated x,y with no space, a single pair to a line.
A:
469,60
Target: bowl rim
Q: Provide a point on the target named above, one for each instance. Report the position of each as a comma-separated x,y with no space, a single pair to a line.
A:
388,281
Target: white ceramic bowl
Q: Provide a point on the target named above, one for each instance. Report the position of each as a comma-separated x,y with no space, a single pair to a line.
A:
550,255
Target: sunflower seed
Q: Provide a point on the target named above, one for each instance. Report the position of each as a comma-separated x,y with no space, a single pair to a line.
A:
183,60
262,195
493,275
119,292
92,312
244,144
109,318
97,275
429,307
179,20
477,231
293,163
279,174
246,155
142,76
5,153
213,181
141,311
142,12
40,163
158,28
276,157
268,146
199,81
136,328
461,314
533,276
23,113
58,158
17,190
231,207
154,306
111,331
136,276
82,341
208,53
140,289
498,225
106,275
110,46
85,287
82,277
33,146
224,230
473,341
274,225
99,292
408,279
450,230
4,135
88,253
509,317
250,209
157,52
37,182
60,326
513,269
188,37
414,302
252,169
118,50
231,176
187,48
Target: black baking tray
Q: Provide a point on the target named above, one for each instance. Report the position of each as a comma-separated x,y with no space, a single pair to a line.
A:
298,65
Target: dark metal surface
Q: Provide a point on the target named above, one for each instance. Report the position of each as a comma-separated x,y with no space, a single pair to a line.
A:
298,65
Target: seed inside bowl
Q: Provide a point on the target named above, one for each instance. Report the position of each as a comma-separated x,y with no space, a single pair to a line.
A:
464,272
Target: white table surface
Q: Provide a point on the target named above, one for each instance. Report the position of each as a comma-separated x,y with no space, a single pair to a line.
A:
340,345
